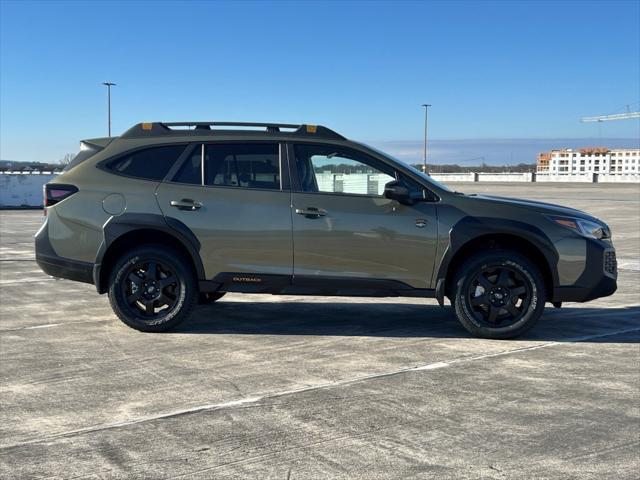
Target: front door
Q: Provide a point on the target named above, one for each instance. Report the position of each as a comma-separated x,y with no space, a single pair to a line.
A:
343,226
235,204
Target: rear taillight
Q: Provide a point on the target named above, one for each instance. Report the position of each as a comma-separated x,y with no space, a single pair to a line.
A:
56,192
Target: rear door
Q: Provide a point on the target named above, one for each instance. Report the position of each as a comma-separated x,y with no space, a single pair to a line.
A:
235,200
345,229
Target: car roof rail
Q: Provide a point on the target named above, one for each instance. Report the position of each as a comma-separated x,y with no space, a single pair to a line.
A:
153,129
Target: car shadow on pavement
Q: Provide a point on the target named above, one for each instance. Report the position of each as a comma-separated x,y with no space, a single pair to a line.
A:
615,325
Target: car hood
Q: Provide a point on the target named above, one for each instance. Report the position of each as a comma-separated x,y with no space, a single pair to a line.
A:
542,207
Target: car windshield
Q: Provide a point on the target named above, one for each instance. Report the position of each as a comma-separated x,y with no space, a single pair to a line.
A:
423,175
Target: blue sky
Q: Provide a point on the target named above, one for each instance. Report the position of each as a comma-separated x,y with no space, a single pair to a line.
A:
494,71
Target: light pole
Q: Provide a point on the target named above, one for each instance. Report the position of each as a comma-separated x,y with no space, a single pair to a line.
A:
599,129
109,85
426,110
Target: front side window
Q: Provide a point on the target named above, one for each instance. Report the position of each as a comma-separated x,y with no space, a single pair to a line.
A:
331,169
149,163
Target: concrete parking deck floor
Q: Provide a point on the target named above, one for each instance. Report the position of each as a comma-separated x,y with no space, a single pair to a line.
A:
295,387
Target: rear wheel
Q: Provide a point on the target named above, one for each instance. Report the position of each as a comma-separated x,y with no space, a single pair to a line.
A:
498,294
152,288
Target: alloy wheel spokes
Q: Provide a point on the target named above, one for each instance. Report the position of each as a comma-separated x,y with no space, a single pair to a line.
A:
168,280
134,278
133,297
517,291
484,282
493,314
166,299
503,278
512,309
151,288
480,300
498,296
149,307
152,271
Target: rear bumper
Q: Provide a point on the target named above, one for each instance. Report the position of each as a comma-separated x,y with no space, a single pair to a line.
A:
599,278
53,264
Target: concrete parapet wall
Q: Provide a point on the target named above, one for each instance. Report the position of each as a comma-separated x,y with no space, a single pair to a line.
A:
528,177
25,189
454,177
506,177
619,178
22,189
566,177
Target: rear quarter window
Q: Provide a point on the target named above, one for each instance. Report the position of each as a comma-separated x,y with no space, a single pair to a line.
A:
151,163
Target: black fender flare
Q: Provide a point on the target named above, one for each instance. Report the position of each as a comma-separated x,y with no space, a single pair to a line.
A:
115,227
470,228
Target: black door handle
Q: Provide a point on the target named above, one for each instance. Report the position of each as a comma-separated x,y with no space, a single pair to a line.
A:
186,204
311,212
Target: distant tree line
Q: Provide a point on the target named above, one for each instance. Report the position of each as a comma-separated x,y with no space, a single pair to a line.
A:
438,168
344,168
453,168
335,168
11,166
29,167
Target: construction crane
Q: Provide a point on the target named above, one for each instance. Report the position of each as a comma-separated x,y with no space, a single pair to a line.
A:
615,116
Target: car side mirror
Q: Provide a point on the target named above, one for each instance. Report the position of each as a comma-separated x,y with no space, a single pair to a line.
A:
396,190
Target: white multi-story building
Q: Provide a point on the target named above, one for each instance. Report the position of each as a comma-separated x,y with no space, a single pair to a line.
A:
359,183
590,160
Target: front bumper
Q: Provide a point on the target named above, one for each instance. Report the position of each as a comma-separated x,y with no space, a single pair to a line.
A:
53,264
599,278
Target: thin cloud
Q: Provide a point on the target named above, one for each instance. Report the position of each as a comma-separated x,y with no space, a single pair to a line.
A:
501,151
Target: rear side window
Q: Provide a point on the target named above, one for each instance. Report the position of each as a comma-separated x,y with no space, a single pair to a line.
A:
243,165
191,169
249,165
149,163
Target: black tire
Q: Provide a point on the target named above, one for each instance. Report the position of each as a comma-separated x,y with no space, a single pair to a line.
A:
152,288
498,294
207,298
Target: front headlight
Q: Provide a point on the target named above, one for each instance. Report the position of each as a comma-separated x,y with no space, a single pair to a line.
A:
585,227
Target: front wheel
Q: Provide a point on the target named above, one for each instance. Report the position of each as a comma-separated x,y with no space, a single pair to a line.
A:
498,294
152,288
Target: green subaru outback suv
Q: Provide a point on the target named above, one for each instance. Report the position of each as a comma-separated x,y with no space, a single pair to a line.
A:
171,214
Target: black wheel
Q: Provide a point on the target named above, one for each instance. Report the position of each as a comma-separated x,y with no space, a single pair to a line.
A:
498,294
207,298
152,288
